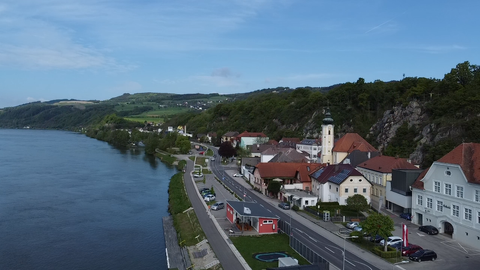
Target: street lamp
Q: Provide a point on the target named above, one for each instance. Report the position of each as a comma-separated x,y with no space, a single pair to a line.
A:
343,266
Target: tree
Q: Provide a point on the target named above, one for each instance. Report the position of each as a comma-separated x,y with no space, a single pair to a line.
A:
274,187
226,150
357,202
378,224
183,143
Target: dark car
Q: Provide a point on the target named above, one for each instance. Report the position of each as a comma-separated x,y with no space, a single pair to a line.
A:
406,216
397,245
410,249
423,255
429,229
284,205
376,239
203,189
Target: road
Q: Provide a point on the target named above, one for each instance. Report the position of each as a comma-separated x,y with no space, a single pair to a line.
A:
324,247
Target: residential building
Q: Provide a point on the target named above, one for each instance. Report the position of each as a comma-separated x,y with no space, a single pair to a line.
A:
347,144
312,147
288,142
378,170
447,195
335,183
230,137
399,192
246,138
247,166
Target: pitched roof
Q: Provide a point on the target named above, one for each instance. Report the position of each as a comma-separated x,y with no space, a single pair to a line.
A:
467,155
251,134
230,134
335,173
353,141
290,155
311,141
256,210
260,148
385,164
287,170
357,157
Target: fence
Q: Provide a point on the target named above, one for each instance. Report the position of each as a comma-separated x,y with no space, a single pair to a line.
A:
332,217
302,249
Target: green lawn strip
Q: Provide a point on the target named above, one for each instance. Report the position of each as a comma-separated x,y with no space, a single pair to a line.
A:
188,228
250,245
167,158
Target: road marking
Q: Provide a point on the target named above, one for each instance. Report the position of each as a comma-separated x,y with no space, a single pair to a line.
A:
329,250
400,267
269,210
313,239
262,205
300,231
420,234
350,263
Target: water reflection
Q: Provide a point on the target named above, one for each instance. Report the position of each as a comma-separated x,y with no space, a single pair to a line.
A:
152,160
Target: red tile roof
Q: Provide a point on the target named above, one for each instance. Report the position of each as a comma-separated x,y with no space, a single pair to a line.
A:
467,155
418,182
353,141
287,170
250,134
385,164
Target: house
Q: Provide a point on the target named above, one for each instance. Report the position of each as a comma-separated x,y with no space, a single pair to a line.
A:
291,175
230,137
252,215
312,147
250,138
447,195
256,150
335,183
300,198
288,142
211,136
290,155
357,157
399,192
247,166
349,143
378,170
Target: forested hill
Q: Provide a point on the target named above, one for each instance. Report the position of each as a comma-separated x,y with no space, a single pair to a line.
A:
417,118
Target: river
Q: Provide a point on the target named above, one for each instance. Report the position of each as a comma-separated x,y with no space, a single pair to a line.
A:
68,201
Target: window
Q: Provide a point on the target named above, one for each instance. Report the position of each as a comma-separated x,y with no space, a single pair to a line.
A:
268,222
355,190
306,202
439,206
436,186
455,210
468,214
477,195
419,200
429,203
346,190
448,189
329,186
337,189
364,190
478,217
459,191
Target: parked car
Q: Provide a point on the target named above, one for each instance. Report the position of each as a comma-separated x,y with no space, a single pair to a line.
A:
218,206
376,239
429,229
410,249
203,190
237,175
357,228
212,159
352,224
423,255
391,240
209,197
284,205
198,175
406,216
206,192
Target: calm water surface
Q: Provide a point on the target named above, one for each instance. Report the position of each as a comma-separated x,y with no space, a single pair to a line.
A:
71,202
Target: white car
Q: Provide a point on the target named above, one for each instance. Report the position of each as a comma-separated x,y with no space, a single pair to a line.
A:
392,240
198,175
352,224
209,197
237,175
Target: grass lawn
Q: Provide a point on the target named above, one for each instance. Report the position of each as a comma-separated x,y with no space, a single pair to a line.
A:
250,245
188,228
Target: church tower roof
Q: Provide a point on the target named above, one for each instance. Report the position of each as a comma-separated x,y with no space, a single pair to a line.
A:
328,120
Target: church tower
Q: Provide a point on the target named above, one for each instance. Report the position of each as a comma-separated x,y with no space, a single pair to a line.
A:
327,138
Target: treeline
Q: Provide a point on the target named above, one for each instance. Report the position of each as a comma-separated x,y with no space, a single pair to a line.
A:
45,116
450,102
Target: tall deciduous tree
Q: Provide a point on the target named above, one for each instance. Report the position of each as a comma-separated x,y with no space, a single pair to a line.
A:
226,150
378,224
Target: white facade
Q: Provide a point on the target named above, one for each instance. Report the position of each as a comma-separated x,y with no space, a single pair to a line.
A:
247,141
327,144
449,203
332,192
311,149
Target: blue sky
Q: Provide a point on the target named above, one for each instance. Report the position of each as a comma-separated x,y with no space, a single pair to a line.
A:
99,49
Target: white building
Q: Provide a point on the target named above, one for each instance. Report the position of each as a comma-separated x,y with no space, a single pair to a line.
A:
312,147
447,195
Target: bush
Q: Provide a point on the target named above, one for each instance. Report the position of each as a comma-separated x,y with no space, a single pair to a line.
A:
391,252
295,208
